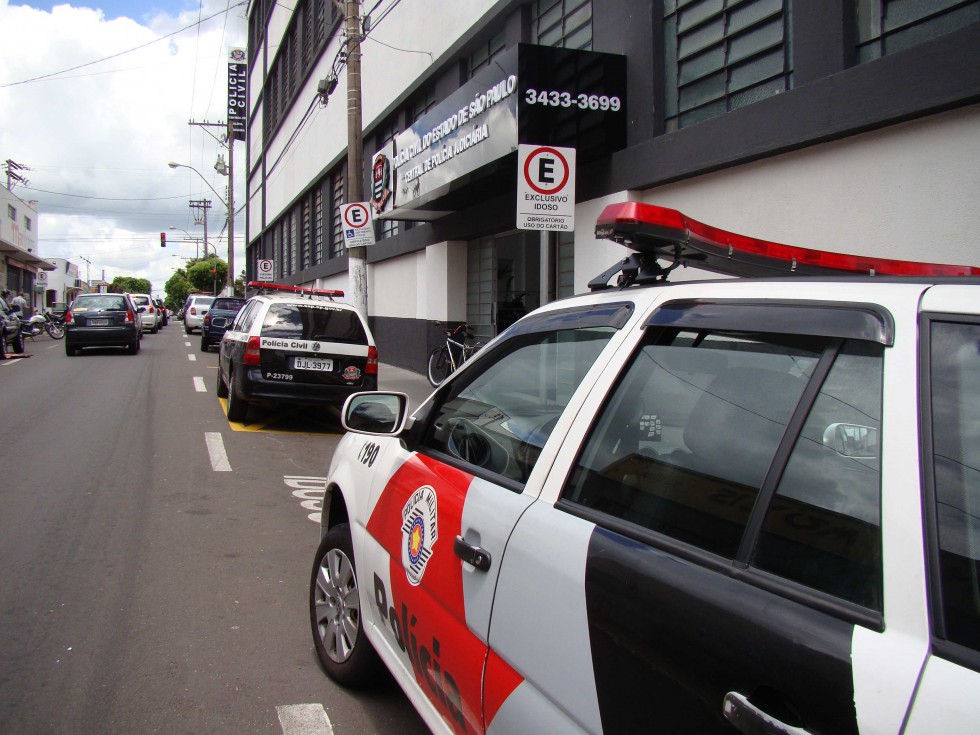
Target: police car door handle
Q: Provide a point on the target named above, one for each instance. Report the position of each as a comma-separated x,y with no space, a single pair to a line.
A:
473,555
748,718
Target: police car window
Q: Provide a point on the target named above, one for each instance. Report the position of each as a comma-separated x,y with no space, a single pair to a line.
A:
497,419
955,394
684,443
823,528
246,317
314,321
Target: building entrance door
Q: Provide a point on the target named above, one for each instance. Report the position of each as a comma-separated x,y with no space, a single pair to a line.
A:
503,281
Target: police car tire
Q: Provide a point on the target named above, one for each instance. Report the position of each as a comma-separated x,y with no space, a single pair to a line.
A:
18,344
237,407
359,665
222,389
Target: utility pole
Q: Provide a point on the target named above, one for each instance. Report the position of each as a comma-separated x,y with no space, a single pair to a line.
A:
204,205
230,172
356,257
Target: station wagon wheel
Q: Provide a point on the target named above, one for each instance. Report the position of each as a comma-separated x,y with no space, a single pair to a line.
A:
222,389
344,651
237,407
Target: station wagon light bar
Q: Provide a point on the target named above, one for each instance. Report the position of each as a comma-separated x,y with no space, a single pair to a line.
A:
263,287
660,233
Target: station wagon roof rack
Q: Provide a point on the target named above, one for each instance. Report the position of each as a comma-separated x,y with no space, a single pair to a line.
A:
264,287
657,233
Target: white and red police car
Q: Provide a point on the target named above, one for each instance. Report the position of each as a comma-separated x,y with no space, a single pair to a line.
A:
738,505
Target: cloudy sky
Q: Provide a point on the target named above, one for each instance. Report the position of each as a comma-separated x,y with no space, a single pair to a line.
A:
95,99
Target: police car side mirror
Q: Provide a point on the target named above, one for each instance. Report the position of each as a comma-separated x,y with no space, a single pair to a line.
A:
375,413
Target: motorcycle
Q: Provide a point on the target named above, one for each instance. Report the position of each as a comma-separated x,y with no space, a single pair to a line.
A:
40,323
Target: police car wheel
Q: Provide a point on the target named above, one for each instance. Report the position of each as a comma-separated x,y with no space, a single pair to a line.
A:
18,344
237,407
345,653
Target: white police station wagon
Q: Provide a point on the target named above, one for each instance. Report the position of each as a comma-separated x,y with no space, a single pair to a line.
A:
296,346
746,505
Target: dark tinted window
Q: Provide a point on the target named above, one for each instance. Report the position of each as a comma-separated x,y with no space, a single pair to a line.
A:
693,435
102,301
140,300
314,321
955,371
683,446
823,529
228,304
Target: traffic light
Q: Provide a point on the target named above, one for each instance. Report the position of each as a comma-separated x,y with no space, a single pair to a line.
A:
163,239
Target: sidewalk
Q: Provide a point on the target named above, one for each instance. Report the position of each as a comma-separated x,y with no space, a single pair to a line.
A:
417,386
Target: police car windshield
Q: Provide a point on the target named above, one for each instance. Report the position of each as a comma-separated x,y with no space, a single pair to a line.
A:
313,321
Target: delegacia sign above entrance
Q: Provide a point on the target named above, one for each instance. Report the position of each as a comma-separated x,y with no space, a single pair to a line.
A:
530,94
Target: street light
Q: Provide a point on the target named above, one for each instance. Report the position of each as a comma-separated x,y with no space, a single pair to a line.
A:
195,239
230,206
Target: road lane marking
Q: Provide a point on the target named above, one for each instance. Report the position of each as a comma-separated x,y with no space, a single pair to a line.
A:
187,344
199,385
310,491
304,719
216,450
192,357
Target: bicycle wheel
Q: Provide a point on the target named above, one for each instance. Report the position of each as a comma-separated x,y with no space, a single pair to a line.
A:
439,366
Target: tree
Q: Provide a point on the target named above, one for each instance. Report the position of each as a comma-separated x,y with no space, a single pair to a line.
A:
201,277
129,284
177,288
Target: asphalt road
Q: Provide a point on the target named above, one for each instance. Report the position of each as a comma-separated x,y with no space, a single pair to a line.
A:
148,583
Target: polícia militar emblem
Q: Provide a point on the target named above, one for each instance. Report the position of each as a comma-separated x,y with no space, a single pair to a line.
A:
420,530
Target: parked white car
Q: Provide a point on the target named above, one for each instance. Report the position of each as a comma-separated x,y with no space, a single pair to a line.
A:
150,319
196,306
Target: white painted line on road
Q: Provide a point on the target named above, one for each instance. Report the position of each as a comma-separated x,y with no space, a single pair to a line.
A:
187,344
304,719
310,491
192,357
199,385
216,449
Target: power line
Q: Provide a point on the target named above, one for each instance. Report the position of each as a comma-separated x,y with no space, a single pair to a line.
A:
123,53
106,199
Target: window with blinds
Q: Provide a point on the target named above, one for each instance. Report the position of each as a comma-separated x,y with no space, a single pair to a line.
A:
721,55
563,23
887,26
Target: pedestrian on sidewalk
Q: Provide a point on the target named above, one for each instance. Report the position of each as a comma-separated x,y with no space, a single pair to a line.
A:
20,301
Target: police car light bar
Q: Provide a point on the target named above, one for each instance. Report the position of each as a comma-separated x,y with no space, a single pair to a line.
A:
299,290
657,232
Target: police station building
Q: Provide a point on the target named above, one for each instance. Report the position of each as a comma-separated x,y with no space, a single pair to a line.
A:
495,131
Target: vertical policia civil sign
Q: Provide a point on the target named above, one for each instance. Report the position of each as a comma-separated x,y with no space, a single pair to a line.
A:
237,99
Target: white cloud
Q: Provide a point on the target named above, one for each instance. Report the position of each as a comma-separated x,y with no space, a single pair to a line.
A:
105,132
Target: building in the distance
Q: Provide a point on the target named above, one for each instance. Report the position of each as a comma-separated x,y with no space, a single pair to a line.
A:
20,263
61,285
847,125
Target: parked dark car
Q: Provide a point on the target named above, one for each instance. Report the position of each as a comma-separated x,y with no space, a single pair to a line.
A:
162,308
222,313
10,328
102,320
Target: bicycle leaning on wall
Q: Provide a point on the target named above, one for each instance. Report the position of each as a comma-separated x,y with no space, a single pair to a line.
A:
448,358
